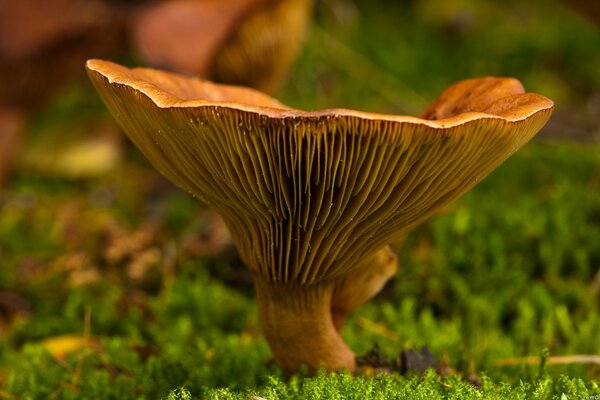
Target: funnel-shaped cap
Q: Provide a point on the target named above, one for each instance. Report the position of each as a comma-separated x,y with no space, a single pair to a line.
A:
307,195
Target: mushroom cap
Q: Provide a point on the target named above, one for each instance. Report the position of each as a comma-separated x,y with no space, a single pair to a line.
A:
249,42
184,34
308,194
261,51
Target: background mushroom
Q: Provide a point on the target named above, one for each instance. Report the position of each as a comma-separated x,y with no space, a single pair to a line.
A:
248,42
308,196
42,46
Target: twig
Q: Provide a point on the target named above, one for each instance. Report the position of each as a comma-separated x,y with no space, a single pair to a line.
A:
374,327
86,340
552,360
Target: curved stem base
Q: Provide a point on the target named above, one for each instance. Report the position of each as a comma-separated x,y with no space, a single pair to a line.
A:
297,324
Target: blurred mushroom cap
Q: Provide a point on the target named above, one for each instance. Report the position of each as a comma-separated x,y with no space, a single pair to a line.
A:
249,42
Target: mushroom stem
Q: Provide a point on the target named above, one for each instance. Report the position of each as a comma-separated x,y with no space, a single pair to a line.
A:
362,284
297,324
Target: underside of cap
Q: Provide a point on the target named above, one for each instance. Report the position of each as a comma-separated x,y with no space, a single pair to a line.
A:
307,195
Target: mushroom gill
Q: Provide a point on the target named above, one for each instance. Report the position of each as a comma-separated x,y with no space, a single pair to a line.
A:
311,197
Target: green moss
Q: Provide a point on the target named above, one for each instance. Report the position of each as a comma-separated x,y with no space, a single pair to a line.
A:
475,286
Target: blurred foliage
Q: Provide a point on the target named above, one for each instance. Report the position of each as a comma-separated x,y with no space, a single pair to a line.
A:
107,289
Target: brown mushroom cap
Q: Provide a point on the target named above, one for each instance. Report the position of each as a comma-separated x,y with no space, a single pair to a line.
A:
261,51
305,193
249,42
311,197
184,34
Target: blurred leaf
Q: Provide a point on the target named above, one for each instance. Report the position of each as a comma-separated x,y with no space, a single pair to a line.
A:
62,346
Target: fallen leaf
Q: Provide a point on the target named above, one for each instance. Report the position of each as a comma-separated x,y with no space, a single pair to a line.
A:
376,328
122,244
143,262
61,346
90,158
552,360
88,150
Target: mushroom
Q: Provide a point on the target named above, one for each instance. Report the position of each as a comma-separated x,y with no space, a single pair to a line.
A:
310,197
248,42
361,284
